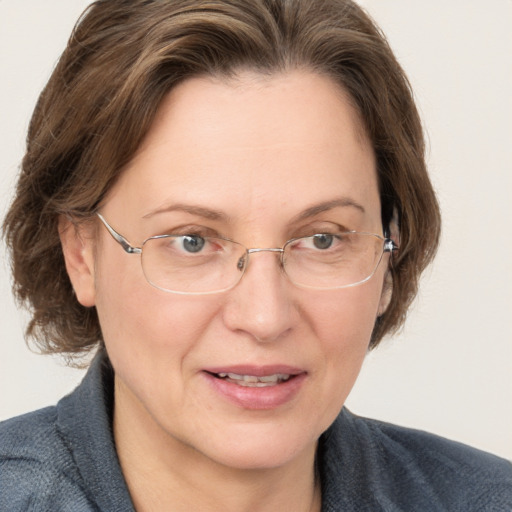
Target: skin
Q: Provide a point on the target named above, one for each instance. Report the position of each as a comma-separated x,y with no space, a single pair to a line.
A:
260,151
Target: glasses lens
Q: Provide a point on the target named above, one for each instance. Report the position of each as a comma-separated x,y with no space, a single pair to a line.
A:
326,261
192,264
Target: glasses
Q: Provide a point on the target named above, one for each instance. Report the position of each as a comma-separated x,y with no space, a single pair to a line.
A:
193,264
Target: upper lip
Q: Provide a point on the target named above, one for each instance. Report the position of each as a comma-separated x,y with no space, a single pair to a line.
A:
257,371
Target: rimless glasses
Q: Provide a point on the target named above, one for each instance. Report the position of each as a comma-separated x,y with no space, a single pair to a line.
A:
193,265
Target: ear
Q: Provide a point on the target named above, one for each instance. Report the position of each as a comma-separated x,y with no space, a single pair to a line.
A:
387,289
78,249
387,292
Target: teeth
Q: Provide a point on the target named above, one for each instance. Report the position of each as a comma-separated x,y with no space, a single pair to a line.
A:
269,378
253,380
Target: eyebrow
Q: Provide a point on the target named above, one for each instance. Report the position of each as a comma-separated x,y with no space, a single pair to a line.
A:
200,211
218,215
343,202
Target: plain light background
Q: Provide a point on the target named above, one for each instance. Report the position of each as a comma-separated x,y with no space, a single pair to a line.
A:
450,370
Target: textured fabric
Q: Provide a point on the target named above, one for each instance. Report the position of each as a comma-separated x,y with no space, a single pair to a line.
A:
63,459
367,465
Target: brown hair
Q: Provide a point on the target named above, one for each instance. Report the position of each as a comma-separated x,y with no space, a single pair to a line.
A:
124,56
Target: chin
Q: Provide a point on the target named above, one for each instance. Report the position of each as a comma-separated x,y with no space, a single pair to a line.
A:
252,447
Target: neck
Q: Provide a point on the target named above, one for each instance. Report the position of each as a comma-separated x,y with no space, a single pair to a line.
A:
163,473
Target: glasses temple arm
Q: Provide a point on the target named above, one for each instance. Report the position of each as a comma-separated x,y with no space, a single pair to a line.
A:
120,239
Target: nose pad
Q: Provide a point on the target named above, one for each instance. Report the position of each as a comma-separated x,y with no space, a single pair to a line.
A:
260,305
242,262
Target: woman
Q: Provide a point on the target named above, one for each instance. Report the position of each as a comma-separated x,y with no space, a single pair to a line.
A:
229,202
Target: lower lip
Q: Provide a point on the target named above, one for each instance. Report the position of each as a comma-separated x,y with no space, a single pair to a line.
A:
268,397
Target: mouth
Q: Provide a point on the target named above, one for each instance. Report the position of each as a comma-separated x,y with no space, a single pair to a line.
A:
257,387
254,381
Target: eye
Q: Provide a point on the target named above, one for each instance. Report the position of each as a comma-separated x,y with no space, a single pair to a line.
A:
319,243
193,243
323,241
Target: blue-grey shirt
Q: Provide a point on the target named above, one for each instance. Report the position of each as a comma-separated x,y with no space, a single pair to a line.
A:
63,458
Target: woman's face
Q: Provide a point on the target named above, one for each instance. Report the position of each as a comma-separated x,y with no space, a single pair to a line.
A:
258,160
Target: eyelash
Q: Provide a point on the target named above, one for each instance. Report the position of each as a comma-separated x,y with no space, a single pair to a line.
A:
332,229
191,230
309,230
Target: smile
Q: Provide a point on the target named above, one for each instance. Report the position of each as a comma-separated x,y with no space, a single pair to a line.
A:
256,387
253,380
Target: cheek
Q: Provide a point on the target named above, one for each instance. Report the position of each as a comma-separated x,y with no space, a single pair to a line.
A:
147,330
343,323
345,318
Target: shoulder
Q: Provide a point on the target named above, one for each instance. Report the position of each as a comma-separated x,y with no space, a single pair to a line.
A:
37,470
434,450
409,467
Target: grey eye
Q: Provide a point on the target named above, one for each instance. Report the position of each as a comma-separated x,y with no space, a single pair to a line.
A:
192,243
323,241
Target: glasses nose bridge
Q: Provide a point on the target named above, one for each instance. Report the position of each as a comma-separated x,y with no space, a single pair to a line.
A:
267,249
275,250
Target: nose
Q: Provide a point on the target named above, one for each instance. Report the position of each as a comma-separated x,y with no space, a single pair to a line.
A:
261,304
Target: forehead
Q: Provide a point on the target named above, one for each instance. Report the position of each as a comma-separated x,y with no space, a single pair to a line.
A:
253,144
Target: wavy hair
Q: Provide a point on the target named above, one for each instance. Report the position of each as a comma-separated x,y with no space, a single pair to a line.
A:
124,56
